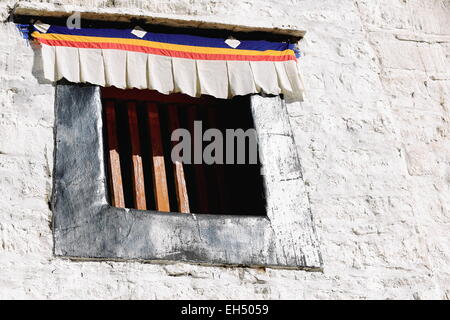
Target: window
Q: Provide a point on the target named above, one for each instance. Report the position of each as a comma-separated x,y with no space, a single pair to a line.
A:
114,181
86,226
141,173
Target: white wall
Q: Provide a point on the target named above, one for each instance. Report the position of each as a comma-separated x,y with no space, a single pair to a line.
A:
373,136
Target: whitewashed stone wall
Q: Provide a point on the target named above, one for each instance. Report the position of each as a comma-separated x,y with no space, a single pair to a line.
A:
373,136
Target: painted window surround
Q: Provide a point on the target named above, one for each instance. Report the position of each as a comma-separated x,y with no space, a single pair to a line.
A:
85,226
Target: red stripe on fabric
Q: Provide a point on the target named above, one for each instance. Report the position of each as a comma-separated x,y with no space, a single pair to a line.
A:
163,52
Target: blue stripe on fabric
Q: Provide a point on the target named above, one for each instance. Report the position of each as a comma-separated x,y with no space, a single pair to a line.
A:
182,39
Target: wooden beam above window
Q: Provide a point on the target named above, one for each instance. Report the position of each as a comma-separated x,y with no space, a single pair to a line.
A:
276,28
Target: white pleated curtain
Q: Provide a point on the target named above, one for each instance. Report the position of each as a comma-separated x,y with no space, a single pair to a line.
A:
165,74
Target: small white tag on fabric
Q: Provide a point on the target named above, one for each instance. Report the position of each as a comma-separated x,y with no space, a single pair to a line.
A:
41,27
139,32
233,43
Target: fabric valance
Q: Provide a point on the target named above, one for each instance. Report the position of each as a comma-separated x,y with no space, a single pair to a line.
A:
169,63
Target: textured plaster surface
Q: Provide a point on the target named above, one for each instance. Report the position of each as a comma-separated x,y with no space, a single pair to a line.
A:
373,139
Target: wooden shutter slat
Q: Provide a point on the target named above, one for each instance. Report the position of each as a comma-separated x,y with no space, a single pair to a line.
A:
115,174
199,173
158,166
178,168
136,159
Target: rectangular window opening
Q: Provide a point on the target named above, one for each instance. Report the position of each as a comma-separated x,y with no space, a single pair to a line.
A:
141,174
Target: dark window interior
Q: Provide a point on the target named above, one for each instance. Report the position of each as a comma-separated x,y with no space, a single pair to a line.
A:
214,189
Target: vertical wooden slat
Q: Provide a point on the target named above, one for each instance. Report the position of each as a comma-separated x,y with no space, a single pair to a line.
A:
115,174
178,169
218,169
158,167
199,172
136,159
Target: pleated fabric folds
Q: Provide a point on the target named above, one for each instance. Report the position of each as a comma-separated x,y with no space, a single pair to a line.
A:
169,63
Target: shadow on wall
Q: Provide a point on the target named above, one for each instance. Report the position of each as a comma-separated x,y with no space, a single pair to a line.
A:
38,67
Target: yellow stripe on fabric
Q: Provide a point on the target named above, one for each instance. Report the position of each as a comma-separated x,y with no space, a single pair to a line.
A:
161,45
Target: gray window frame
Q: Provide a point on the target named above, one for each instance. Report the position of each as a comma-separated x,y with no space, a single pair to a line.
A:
85,226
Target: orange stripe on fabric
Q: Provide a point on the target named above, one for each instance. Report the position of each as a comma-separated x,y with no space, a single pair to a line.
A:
159,45
164,52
